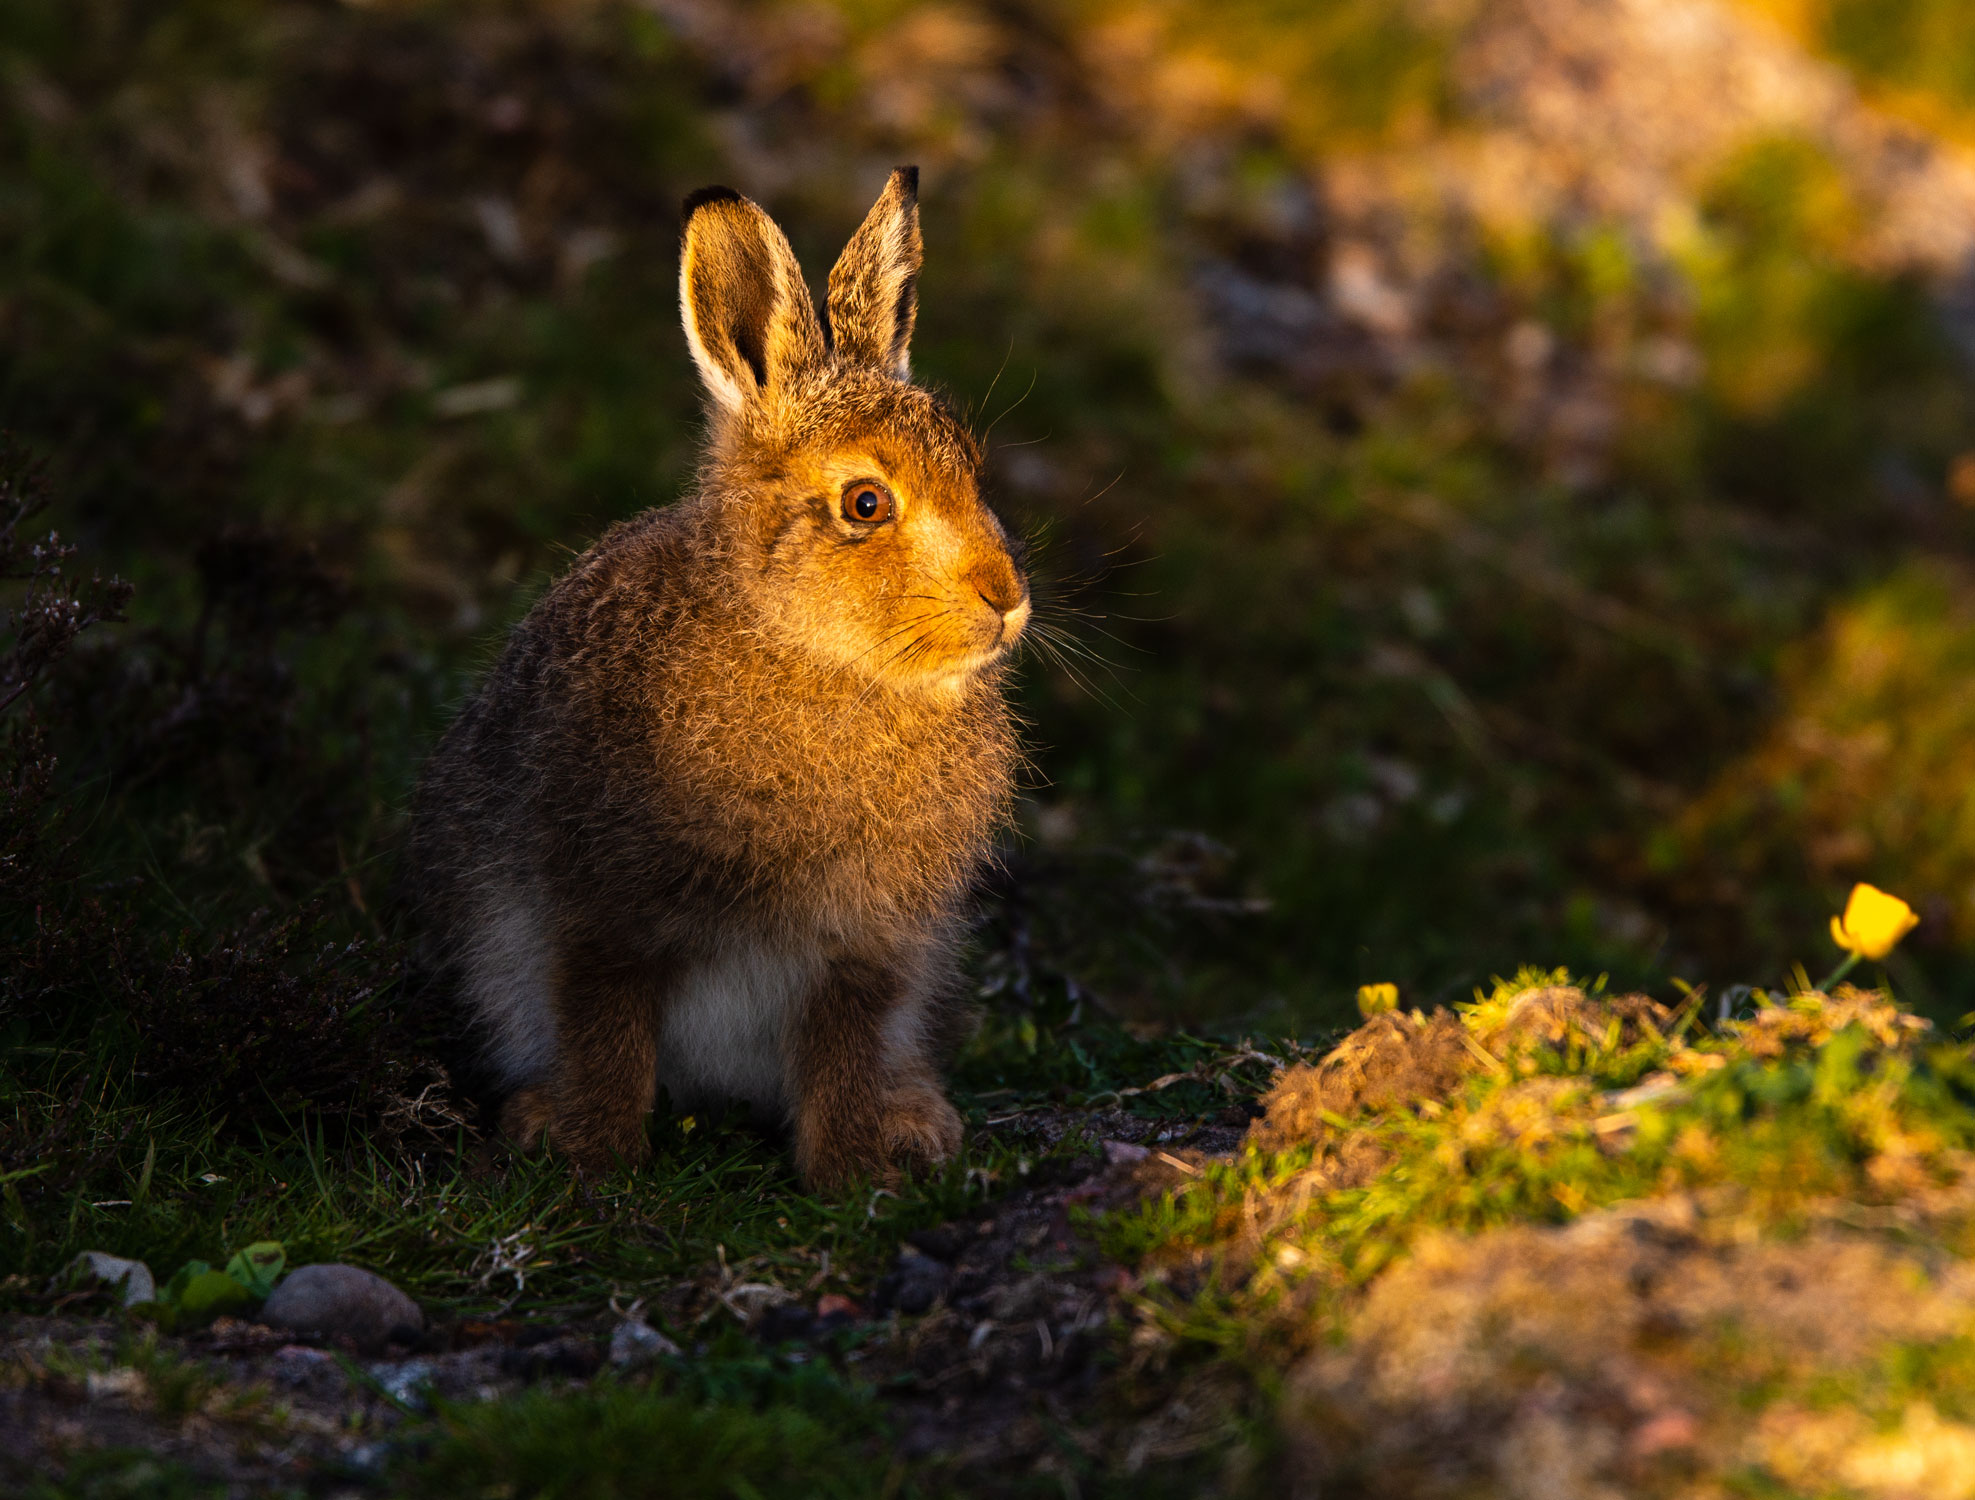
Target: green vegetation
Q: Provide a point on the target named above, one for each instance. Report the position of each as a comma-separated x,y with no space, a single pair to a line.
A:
616,1441
1922,47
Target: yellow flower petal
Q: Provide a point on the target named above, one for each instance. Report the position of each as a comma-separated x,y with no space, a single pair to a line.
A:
1377,999
1874,922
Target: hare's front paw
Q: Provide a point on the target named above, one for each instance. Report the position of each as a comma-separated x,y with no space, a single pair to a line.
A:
922,1128
595,1141
913,1125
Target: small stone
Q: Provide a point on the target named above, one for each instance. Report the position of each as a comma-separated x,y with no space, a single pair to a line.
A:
94,1268
634,1344
408,1383
835,1313
333,1301
314,1371
916,1282
368,1459
123,1382
1124,1153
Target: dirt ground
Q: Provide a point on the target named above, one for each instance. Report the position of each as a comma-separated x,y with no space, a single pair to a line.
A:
992,1342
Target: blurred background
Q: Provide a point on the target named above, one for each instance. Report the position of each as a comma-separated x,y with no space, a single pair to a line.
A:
1503,470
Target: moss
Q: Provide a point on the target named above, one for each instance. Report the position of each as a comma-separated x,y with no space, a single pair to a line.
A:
616,1442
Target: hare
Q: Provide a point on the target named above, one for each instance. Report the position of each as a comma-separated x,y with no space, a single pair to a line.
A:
711,822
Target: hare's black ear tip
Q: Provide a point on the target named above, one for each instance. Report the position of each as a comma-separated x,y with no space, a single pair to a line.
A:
696,201
908,179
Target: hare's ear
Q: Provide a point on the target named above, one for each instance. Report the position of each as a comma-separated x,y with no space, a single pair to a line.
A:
874,290
748,315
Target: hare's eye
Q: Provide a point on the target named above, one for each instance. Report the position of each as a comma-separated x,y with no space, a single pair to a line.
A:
867,503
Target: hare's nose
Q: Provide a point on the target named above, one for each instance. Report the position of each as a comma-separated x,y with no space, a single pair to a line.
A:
1001,588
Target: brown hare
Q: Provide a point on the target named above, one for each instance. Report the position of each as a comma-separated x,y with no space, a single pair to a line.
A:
711,822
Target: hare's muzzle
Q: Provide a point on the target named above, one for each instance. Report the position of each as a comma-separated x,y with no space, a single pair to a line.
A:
1012,620
1003,590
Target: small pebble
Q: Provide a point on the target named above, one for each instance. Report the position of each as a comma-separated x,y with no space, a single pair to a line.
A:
121,1382
334,1301
93,1267
368,1459
408,1383
916,1282
633,1344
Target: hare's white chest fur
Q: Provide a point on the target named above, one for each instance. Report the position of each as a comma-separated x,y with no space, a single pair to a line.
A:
724,1035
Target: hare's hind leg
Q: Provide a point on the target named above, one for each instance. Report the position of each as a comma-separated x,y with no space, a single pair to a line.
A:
604,1078
505,974
866,1096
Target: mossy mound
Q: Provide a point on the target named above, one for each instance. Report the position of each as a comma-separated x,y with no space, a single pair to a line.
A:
1558,1243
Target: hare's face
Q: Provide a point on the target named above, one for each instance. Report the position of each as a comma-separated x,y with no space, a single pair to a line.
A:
877,553
854,496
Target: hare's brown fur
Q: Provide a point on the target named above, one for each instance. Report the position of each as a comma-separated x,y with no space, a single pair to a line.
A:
712,819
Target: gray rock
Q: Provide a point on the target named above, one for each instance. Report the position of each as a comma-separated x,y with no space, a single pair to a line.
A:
634,1344
94,1268
334,1301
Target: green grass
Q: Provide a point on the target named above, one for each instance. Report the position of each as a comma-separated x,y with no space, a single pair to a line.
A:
466,1229
614,1442
125,1474
474,1234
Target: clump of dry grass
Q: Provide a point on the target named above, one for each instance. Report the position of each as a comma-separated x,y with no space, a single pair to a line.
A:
1407,1060
1394,1061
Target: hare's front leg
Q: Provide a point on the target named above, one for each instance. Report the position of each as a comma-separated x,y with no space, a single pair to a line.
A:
605,1075
866,1096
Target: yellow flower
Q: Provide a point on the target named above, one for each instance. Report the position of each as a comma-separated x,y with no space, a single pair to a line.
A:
1377,999
1873,923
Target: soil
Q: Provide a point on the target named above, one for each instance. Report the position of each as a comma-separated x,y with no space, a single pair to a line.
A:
993,1341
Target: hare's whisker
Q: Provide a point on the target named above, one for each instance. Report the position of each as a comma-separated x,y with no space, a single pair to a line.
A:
1033,375
988,395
